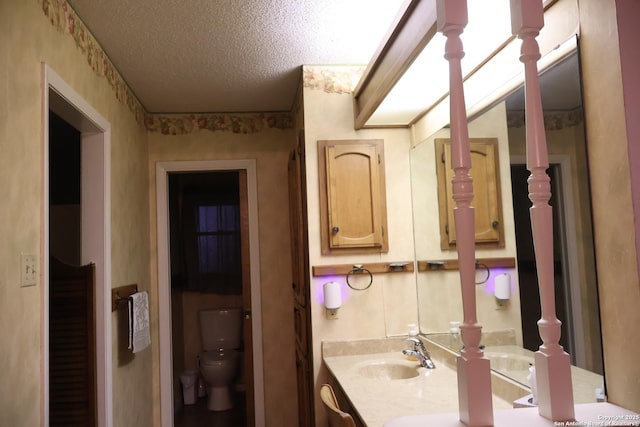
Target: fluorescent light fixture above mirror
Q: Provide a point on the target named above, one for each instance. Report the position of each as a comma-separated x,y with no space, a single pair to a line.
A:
491,59
426,81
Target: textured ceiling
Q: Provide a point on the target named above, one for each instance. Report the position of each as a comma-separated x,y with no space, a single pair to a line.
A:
188,56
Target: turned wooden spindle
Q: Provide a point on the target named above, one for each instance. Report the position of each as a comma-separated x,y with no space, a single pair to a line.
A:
474,376
553,365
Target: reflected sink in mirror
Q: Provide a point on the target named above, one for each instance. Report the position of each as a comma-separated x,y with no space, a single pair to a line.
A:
506,362
513,366
385,370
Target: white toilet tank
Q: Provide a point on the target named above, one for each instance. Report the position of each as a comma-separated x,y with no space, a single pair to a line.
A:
220,328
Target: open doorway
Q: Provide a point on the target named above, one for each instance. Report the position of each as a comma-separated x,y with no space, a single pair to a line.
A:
170,306
72,364
94,232
206,254
527,274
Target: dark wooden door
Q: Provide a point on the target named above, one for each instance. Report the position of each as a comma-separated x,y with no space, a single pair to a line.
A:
72,358
301,283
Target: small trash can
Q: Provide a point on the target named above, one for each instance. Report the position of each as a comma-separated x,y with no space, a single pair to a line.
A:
189,380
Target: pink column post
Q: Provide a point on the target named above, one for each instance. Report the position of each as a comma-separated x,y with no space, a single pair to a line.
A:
474,374
553,365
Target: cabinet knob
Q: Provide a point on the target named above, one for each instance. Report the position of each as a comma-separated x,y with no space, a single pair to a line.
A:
335,230
495,224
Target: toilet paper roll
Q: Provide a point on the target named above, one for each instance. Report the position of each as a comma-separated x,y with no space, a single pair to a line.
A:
503,286
332,295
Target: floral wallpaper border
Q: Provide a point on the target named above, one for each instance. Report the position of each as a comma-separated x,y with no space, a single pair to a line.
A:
237,123
332,79
62,16
553,120
65,20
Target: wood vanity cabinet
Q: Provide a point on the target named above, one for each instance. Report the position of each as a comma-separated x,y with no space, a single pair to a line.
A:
343,401
353,211
487,203
301,283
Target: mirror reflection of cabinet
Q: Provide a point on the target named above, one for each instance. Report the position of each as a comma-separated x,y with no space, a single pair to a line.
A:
489,228
575,277
352,196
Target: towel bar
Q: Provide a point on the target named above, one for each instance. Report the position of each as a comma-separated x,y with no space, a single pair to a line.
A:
122,293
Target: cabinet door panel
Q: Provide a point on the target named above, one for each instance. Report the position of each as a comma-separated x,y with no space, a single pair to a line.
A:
298,227
305,391
352,196
301,327
486,193
353,193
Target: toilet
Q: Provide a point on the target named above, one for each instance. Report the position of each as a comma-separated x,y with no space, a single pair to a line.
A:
220,335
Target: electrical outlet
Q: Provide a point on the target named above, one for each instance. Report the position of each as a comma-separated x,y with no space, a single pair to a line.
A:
332,314
28,273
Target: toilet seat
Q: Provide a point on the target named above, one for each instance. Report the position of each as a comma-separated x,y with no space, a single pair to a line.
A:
213,358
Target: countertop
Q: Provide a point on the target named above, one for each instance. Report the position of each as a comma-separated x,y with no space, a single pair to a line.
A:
431,397
587,414
377,401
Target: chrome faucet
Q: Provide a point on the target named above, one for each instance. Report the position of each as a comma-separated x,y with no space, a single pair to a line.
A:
419,352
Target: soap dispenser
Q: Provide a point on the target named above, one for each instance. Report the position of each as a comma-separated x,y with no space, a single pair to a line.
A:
413,333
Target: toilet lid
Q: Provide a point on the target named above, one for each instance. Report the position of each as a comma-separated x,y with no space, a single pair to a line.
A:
213,357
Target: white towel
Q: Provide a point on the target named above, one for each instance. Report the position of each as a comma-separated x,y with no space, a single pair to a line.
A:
139,334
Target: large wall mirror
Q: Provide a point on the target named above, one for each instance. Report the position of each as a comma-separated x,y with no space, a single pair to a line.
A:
510,331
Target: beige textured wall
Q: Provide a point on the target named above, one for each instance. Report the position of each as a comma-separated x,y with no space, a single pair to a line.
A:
270,148
619,289
389,304
27,38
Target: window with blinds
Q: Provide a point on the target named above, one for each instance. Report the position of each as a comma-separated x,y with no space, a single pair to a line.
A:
217,237
205,231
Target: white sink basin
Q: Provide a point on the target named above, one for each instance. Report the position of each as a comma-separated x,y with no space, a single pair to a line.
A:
388,370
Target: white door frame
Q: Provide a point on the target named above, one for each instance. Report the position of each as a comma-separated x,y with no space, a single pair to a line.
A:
95,130
164,273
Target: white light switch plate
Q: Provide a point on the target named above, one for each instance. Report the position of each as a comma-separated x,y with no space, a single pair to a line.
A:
28,272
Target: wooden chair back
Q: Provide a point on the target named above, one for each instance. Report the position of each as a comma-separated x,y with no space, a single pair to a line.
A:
337,417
